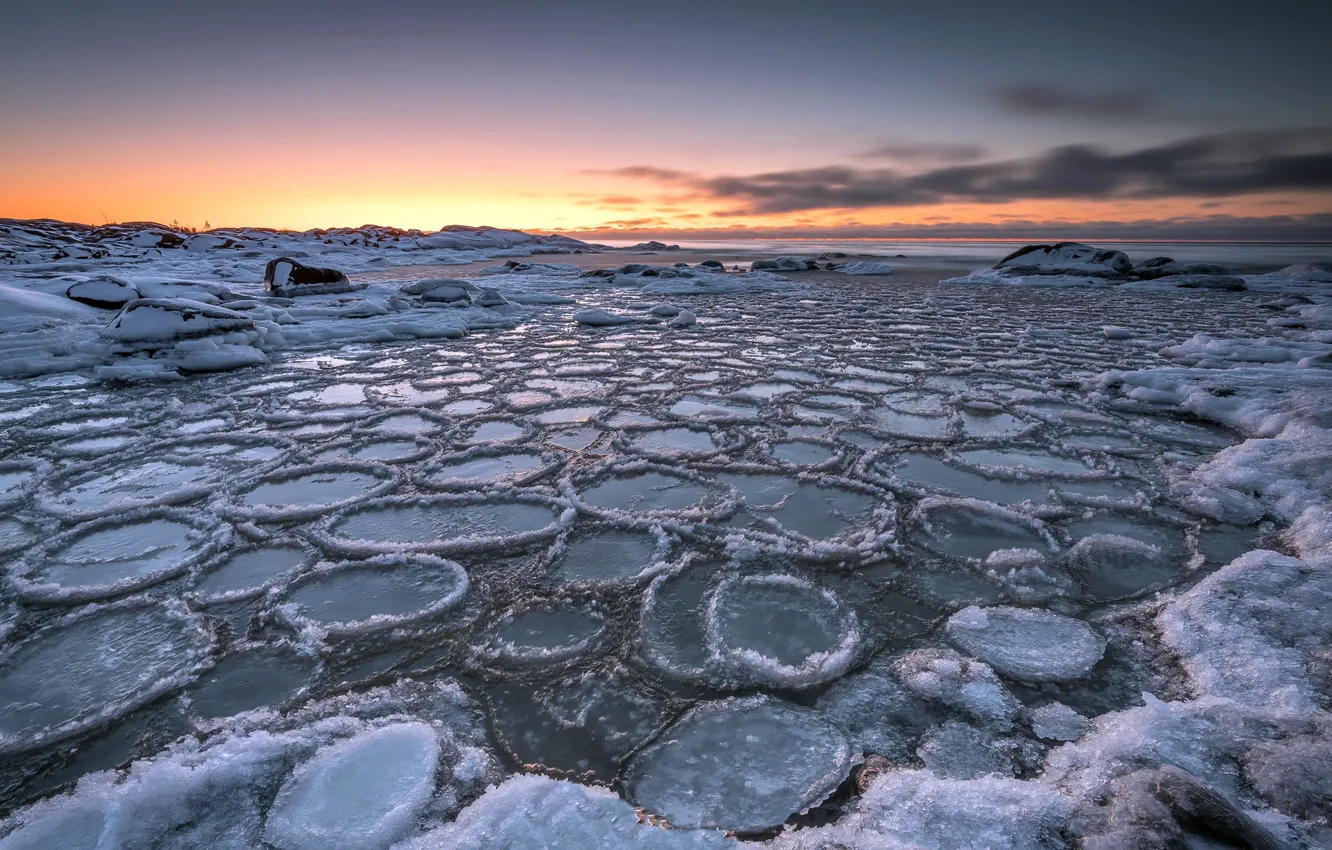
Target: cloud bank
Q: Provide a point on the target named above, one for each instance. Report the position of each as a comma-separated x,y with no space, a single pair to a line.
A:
1207,166
1275,228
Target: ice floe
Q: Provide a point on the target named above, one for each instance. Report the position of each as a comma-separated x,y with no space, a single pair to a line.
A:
742,765
390,591
93,666
1026,643
364,793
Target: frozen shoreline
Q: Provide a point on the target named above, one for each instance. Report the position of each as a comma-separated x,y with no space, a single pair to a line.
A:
807,430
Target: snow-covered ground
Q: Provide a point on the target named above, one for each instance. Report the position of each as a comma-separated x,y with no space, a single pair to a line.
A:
832,563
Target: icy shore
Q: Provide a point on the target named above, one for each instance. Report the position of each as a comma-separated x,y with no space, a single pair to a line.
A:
921,566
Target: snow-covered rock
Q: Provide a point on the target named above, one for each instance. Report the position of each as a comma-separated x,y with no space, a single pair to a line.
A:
1067,258
1155,267
523,267
1257,631
598,318
105,292
864,267
165,320
448,295
162,336
490,298
539,812
421,287
916,810
1321,272
685,319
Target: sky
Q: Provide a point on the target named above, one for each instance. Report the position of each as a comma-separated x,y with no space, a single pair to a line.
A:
719,119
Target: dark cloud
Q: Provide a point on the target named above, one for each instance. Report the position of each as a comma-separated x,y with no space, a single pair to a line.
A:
1289,228
643,172
1215,166
1062,102
916,152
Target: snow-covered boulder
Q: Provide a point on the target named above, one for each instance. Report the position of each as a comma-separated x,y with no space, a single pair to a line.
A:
287,278
1067,258
537,811
146,321
200,242
448,295
421,287
1321,272
602,319
105,292
516,267
490,298
1155,267
917,809
1257,632
156,337
865,267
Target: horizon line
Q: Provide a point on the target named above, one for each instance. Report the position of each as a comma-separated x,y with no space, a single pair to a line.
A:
692,236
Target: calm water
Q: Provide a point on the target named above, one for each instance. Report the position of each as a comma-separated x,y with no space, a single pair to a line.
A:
925,253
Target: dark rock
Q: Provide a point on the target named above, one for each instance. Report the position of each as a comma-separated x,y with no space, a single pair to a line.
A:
649,272
1206,281
634,268
1294,775
1207,268
284,276
1201,808
1162,809
711,264
652,246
